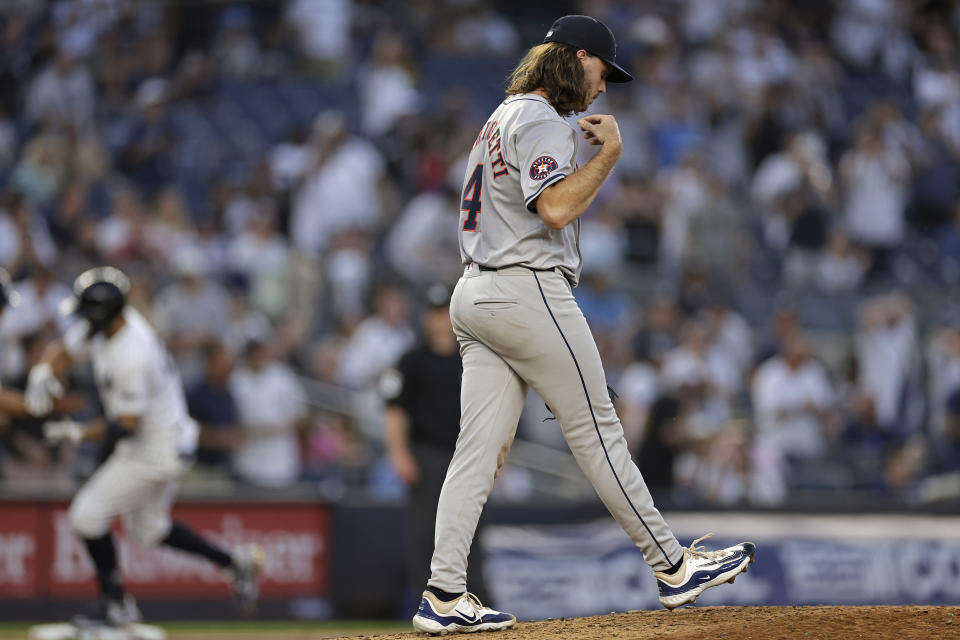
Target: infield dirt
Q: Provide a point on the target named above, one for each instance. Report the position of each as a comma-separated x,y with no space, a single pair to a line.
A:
740,623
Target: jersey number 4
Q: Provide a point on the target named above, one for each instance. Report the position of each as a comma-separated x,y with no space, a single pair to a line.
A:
471,199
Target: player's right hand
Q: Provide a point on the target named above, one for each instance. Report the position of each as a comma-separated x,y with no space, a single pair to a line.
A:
42,388
57,431
601,130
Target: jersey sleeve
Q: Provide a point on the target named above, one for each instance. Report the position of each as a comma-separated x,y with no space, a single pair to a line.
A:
546,152
394,384
75,340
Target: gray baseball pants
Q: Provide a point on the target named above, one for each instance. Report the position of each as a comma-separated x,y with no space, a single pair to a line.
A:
517,329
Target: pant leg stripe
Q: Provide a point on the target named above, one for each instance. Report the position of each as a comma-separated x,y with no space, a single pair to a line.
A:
596,426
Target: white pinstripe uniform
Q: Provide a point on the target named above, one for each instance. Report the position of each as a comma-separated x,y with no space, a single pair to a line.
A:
135,376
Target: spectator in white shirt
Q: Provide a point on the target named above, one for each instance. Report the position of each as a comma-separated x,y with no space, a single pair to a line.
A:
793,401
378,341
875,180
272,409
886,347
324,206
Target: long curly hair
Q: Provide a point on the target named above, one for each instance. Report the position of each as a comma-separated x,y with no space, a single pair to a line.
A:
553,67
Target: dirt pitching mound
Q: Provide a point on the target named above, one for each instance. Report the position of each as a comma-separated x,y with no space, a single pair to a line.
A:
741,623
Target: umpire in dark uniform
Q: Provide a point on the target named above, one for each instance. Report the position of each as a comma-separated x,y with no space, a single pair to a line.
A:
421,423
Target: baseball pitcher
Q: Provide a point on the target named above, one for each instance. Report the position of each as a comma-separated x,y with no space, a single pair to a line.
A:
519,325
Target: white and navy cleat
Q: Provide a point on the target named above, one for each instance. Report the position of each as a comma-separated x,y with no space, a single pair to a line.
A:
464,615
244,573
701,570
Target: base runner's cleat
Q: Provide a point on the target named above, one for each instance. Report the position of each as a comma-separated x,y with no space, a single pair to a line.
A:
465,614
701,570
247,561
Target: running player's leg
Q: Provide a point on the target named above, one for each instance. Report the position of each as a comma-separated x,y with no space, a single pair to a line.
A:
113,490
150,524
560,361
491,399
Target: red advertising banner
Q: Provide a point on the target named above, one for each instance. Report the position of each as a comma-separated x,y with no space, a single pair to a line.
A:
19,545
47,559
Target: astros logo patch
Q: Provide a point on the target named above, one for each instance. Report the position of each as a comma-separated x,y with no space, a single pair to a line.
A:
542,167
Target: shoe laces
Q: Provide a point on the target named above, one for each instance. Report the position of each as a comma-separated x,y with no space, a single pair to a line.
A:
701,552
475,600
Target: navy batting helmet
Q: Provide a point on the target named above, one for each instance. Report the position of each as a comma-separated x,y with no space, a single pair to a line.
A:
99,295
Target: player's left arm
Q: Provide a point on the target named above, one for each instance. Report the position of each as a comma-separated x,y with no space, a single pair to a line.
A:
98,430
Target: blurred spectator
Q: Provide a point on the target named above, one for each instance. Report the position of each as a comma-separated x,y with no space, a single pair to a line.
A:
243,324
25,239
663,437
638,388
480,30
261,255
729,331
793,399
169,229
190,311
422,244
936,179
236,53
840,267
378,341
272,409
606,307
146,154
685,192
948,238
322,28
943,380
807,228
289,160
211,403
62,96
658,335
120,235
8,141
603,244
706,375
322,206
716,242
874,178
387,90
39,306
801,167
42,168
868,32
886,344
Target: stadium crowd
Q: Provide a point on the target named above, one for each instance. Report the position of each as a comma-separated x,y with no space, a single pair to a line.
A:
771,272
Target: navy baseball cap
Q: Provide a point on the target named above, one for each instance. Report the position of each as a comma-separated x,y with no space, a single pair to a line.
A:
584,32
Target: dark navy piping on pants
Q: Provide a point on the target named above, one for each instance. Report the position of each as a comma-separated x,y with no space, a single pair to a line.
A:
595,425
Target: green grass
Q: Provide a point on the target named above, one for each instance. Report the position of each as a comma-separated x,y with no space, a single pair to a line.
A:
18,630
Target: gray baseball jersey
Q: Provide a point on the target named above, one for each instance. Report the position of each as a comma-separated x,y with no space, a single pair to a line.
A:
524,147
